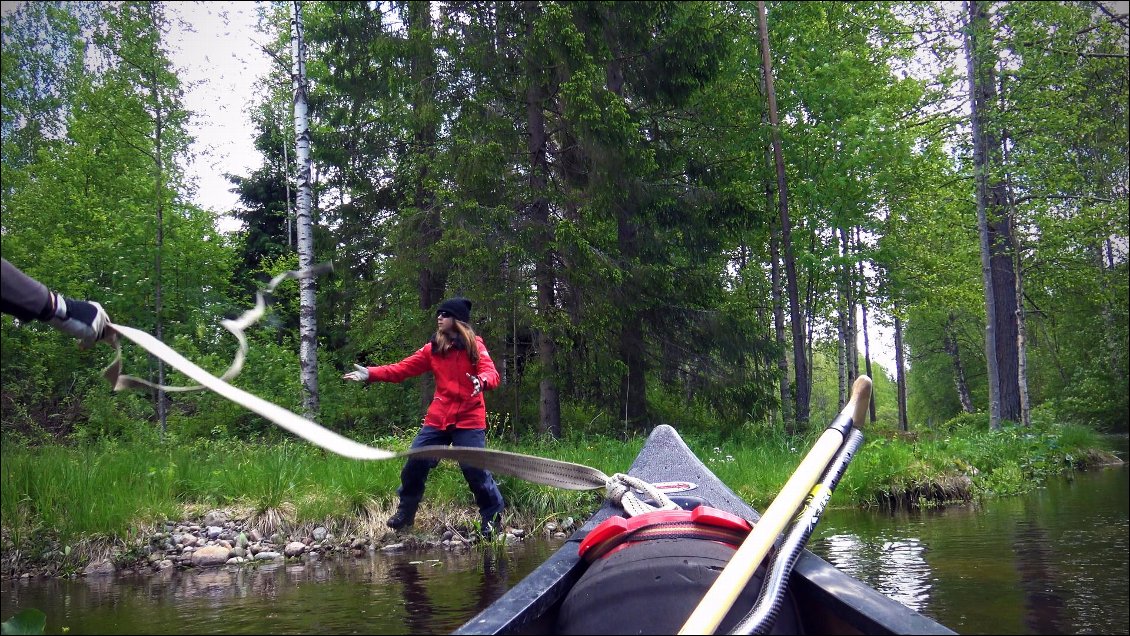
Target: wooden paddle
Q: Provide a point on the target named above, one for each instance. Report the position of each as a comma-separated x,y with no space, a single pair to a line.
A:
737,573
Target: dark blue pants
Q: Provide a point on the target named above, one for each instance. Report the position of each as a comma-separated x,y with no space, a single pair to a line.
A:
415,472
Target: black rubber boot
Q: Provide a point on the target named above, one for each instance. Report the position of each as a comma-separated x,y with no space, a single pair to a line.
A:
488,526
403,517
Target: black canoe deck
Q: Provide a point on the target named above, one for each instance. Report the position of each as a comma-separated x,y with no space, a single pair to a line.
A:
829,600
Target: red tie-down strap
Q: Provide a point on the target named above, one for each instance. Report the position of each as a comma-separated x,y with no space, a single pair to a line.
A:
704,522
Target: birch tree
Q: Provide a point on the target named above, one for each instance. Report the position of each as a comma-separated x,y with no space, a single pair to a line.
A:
308,327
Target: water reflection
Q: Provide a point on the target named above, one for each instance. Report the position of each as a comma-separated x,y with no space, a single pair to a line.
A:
381,593
1039,579
1052,561
417,604
895,568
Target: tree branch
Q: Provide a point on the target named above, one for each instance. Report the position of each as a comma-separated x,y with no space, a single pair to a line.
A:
1060,197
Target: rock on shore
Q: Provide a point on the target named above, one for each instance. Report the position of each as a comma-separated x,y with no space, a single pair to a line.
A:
223,538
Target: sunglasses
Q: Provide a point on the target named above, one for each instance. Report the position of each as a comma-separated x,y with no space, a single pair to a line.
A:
445,314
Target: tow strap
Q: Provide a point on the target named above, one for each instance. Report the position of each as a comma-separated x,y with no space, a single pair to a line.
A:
620,488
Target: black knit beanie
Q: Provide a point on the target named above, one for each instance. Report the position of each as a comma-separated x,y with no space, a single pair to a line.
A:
458,307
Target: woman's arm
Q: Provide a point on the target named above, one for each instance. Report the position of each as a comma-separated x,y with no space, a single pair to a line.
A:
487,374
416,364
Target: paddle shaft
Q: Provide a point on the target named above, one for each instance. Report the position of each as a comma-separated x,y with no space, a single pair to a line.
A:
760,619
737,573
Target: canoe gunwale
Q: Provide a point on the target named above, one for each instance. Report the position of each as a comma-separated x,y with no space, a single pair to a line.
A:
851,605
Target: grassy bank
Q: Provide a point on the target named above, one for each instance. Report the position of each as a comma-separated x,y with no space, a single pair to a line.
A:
112,492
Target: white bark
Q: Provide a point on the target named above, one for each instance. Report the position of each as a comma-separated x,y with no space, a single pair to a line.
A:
1021,343
307,322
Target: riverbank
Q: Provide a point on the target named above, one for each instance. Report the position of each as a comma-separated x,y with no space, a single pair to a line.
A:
146,508
960,565
241,537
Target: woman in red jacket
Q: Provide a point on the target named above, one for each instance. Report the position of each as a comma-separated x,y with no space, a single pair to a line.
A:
457,416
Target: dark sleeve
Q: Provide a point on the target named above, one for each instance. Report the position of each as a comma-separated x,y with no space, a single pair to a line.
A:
21,295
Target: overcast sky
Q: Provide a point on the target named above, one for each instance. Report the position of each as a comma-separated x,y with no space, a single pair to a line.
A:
216,49
219,59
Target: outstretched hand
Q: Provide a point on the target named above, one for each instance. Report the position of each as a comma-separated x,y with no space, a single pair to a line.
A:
359,374
477,383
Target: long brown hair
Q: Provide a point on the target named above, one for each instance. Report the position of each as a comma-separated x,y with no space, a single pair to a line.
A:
464,339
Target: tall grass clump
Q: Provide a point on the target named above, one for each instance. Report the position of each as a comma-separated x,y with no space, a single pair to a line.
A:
70,492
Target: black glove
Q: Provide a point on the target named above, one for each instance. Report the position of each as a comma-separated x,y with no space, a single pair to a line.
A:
84,320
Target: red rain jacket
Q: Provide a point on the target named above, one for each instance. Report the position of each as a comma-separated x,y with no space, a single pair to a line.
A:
452,402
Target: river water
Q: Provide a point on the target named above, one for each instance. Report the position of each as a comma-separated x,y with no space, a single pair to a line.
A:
1050,562
1053,561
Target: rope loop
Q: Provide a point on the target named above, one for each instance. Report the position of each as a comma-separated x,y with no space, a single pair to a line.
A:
621,492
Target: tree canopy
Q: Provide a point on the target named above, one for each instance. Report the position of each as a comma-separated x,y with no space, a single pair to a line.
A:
598,179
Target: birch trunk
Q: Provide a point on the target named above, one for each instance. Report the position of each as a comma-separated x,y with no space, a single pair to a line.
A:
863,308
779,328
960,383
307,321
901,377
1021,347
842,349
1017,267
852,325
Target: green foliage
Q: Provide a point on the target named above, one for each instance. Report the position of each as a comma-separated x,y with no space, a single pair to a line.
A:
653,250
1007,479
1097,398
965,422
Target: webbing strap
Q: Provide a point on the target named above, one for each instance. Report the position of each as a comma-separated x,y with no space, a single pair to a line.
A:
540,470
113,373
292,422
549,472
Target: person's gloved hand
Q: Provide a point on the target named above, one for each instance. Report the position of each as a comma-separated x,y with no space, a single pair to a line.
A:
478,384
84,320
359,374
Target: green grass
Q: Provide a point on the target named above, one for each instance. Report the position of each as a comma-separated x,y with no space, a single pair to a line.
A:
116,490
